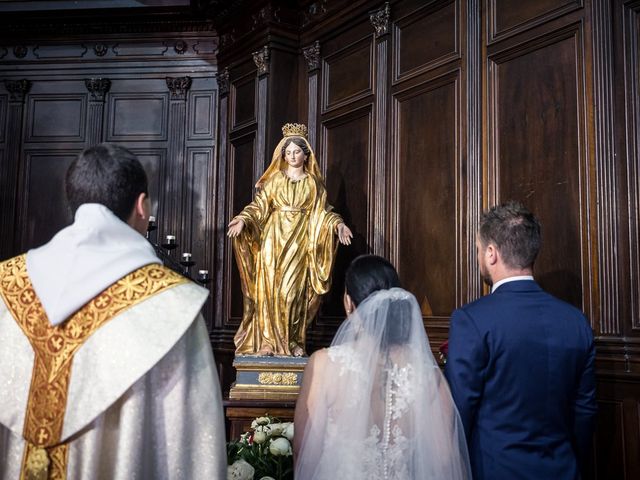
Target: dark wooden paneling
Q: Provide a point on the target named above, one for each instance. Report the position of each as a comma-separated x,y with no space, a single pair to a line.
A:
241,175
513,16
609,441
425,199
538,154
43,201
347,147
139,116
631,27
201,121
3,118
56,118
243,101
425,39
347,74
154,162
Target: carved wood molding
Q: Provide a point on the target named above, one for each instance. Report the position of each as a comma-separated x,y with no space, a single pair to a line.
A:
380,20
262,58
179,86
107,27
223,82
98,87
312,56
315,11
17,89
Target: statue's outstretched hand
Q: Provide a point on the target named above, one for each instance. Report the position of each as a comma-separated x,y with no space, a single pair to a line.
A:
344,234
235,227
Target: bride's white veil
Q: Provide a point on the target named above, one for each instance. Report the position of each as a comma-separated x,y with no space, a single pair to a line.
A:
386,410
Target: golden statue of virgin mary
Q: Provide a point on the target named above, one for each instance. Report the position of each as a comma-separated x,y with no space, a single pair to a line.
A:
285,245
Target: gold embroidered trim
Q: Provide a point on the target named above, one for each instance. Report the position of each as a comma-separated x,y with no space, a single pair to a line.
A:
55,346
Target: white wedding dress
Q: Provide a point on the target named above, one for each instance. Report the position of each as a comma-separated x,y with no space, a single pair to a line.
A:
380,407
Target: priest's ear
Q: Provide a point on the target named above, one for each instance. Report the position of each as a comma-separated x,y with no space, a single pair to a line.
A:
139,218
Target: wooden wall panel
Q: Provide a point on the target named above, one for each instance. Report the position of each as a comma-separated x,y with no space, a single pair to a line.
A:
538,155
201,122
347,74
425,197
631,27
609,442
241,174
3,118
43,200
56,118
154,162
243,101
507,17
139,116
426,38
347,147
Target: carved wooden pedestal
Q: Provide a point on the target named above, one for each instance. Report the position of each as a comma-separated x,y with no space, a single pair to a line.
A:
267,378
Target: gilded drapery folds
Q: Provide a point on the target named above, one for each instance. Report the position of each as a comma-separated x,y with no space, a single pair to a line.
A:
285,255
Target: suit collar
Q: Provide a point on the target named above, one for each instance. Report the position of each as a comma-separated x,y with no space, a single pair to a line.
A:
519,286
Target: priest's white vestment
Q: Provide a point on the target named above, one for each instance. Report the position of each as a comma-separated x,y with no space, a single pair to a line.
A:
119,380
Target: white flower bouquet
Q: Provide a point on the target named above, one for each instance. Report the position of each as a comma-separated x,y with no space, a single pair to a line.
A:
264,452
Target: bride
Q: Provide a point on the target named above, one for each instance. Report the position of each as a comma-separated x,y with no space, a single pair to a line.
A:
375,405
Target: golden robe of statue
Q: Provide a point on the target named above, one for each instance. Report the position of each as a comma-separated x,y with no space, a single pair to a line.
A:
285,251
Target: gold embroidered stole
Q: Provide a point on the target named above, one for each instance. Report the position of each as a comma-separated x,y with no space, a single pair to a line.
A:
45,457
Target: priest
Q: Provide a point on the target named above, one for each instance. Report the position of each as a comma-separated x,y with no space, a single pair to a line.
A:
106,370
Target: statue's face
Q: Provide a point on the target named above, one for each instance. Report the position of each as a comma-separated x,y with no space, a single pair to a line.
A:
294,156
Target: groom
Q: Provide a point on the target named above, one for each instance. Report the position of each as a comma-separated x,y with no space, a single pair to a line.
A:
520,362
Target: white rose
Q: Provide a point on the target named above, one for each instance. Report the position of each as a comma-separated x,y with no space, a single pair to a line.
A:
240,470
277,428
280,446
259,437
260,421
288,431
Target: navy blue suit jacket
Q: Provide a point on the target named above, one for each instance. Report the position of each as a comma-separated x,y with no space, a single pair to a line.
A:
520,368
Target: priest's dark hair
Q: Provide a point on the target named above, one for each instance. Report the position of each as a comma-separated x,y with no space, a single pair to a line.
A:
368,274
108,174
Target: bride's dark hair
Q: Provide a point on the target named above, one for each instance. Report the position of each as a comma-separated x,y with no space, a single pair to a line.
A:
368,274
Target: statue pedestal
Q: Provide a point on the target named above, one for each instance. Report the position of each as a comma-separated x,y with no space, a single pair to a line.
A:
267,378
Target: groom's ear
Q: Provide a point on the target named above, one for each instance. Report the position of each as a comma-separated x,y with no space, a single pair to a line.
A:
492,254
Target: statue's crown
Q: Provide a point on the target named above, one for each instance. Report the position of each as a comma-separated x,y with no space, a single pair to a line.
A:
294,130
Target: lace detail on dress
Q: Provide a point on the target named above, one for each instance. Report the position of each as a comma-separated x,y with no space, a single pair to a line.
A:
384,454
346,357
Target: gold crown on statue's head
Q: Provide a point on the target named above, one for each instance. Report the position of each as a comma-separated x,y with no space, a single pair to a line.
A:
294,130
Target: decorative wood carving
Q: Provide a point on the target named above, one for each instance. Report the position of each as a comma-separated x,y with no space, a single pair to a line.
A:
179,87
98,87
20,51
100,49
180,47
314,11
261,59
17,89
116,26
223,82
380,20
312,56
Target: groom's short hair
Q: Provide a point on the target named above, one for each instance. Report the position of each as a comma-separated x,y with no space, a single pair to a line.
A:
514,231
